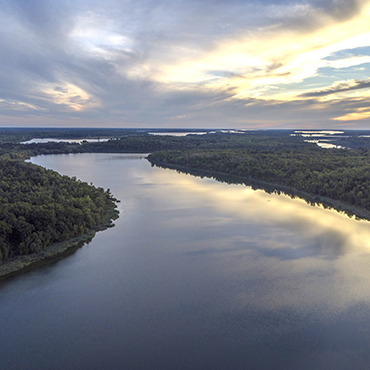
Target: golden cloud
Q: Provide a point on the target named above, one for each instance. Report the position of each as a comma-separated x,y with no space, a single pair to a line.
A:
261,63
357,115
69,95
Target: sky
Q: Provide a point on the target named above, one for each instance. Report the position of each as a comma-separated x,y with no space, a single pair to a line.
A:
185,63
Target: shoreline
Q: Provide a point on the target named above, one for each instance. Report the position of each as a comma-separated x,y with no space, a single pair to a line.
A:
312,199
53,252
59,250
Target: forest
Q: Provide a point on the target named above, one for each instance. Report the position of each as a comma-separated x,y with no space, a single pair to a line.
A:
40,207
338,174
144,143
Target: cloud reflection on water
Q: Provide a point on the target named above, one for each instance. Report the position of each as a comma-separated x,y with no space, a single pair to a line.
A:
299,255
325,226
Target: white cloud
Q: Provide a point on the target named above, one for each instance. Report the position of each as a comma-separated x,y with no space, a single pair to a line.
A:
144,62
99,35
19,106
348,62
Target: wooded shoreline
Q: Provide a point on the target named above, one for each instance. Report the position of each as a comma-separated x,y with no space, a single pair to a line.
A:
312,199
54,252
274,161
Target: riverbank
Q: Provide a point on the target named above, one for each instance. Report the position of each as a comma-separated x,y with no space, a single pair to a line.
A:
54,252
313,199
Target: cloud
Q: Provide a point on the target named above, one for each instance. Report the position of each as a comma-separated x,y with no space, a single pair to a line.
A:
359,114
7,105
272,56
195,63
339,86
348,62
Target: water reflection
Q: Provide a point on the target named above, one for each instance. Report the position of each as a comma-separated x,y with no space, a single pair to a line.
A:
334,232
302,256
124,157
197,274
53,140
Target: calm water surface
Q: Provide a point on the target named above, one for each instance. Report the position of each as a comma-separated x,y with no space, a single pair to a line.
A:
196,275
53,140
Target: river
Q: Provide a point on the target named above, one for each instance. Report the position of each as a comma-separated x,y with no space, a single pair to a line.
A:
196,274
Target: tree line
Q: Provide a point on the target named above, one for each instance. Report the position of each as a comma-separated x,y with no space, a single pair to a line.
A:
338,174
40,207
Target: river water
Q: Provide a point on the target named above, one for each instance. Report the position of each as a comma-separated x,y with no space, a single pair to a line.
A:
196,274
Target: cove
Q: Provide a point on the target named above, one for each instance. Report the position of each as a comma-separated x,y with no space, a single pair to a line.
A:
196,274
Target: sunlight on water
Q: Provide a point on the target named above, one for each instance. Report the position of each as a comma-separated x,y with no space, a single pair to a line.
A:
53,140
196,275
294,241
318,133
259,206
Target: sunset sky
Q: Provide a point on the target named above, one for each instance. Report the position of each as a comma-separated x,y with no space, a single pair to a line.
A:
176,63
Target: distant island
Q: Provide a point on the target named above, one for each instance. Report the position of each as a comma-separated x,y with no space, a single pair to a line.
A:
44,213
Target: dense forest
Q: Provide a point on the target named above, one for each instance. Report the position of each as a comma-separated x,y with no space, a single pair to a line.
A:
144,143
40,207
12,135
338,174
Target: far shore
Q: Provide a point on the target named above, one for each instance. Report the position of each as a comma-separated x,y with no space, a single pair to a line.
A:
313,199
62,249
